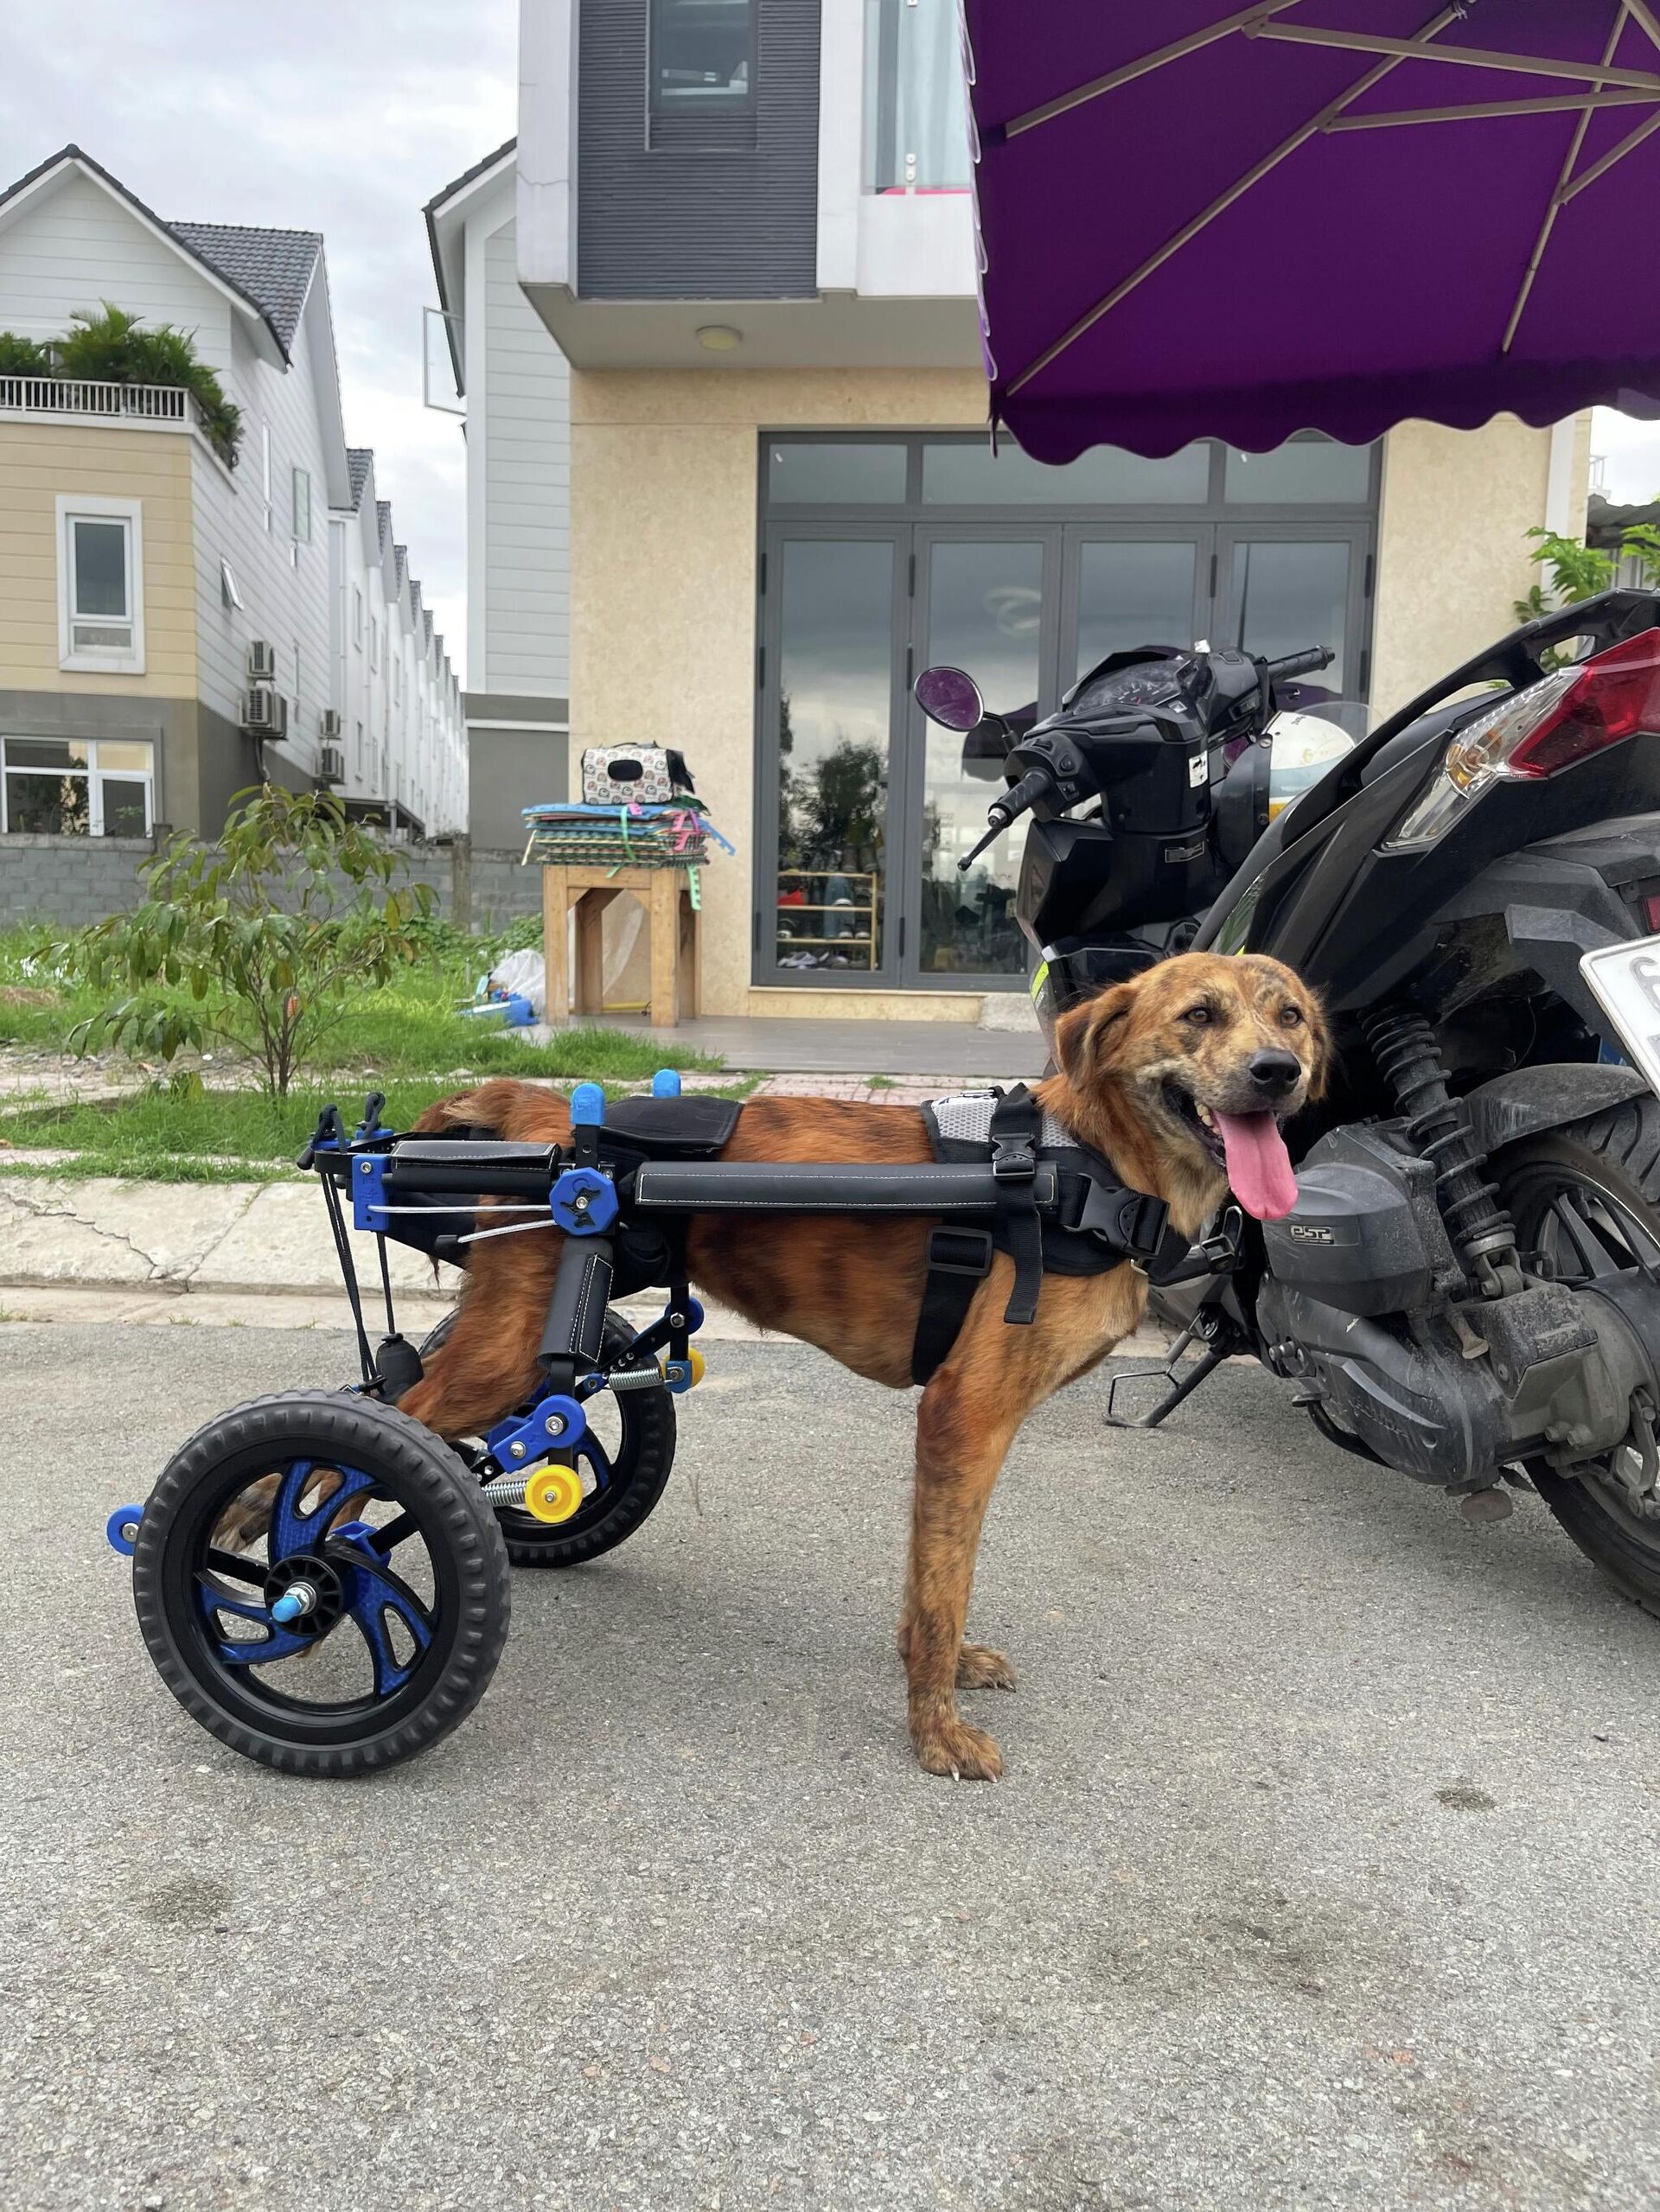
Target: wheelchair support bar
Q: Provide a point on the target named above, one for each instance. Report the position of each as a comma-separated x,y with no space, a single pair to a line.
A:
762,1187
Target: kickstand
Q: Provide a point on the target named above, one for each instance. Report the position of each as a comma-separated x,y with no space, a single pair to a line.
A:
1219,1346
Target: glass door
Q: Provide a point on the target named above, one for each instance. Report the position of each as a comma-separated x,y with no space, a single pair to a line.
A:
832,682
1284,588
987,600
1141,586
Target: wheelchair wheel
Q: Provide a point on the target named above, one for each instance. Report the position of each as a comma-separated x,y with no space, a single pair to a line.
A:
629,1450
320,1583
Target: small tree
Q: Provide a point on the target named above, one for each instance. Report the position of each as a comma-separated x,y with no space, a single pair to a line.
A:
115,347
23,356
270,935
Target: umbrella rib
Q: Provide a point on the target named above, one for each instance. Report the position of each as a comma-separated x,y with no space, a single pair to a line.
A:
1645,15
1144,66
1219,206
1473,57
1553,104
1558,198
1627,145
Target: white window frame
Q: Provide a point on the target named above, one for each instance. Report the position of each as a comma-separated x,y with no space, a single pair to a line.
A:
123,660
264,470
357,618
229,591
301,500
94,773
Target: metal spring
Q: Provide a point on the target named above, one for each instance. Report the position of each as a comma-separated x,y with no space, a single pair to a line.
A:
628,1379
1408,1058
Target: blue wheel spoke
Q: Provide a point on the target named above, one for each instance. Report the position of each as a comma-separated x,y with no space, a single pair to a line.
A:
373,1593
291,1530
595,1453
235,1651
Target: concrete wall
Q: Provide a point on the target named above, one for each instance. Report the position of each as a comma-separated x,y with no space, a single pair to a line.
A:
40,461
73,881
1451,545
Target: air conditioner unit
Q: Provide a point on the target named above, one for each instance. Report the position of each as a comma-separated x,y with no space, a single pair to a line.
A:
262,661
330,720
331,764
265,714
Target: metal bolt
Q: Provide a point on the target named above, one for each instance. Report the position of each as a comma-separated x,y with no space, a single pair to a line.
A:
516,1450
363,1166
556,1425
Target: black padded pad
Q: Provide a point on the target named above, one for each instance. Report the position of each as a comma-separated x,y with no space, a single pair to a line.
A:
672,1129
840,1187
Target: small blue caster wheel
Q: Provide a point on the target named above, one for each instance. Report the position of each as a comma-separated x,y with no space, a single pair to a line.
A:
321,1584
122,1529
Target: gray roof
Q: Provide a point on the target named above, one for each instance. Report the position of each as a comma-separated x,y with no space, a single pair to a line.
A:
426,618
400,562
359,459
468,175
383,522
272,268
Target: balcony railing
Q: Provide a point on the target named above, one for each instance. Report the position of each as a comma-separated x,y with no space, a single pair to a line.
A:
57,395
916,114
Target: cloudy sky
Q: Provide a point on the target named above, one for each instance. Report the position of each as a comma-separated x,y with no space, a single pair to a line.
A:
340,116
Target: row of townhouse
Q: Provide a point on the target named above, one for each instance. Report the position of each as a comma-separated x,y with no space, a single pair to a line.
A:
176,620
730,486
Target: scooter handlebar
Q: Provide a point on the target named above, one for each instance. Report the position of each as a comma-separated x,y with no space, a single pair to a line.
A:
1301,664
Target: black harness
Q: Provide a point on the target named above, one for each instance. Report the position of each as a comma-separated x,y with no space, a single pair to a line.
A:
1096,1223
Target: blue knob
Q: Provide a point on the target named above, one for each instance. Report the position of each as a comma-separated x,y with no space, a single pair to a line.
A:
288,1606
588,1104
666,1083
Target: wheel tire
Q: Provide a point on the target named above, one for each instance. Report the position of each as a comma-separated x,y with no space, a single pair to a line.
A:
640,1472
467,1556
1617,1155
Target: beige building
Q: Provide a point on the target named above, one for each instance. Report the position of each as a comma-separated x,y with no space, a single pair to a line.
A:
784,503
179,616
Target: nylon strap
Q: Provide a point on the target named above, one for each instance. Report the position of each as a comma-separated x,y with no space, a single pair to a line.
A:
959,1261
1017,1124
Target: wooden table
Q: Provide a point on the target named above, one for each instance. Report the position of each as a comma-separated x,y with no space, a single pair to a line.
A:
671,920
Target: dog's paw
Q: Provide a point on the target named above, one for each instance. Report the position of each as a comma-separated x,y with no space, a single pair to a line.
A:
979,1668
952,1747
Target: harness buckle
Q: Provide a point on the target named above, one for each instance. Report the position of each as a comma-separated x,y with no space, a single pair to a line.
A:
974,1248
1130,1220
1014,1159
1221,1247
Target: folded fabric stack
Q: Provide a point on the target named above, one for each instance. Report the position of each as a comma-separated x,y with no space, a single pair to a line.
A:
669,833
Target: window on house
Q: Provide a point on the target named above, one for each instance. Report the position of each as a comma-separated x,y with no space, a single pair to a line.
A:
55,787
357,755
264,470
100,585
227,585
702,55
302,507
297,679
374,645
357,618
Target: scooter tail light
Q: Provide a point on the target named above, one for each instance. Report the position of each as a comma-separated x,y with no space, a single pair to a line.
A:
1534,734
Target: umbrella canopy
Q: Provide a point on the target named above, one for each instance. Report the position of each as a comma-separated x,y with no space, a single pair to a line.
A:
1327,214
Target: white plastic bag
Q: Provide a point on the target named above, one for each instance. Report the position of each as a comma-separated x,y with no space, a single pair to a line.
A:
524,973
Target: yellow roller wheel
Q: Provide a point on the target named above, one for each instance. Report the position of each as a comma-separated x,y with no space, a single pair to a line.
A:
553,1493
696,1367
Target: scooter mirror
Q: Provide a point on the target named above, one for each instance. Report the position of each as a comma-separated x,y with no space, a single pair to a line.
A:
950,697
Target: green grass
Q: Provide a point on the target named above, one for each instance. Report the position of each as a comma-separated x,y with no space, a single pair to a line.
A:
409,1028
202,1137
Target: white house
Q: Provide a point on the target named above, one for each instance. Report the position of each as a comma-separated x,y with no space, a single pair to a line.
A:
169,605
516,391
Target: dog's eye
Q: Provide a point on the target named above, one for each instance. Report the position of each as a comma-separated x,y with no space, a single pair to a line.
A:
1291,1016
1199,1016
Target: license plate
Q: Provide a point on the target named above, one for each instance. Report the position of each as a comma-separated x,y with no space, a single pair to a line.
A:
1625,980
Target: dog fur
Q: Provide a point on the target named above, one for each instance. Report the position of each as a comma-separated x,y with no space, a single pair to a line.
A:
1184,1030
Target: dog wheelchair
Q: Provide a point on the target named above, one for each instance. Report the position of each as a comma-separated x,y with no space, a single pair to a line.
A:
324,1583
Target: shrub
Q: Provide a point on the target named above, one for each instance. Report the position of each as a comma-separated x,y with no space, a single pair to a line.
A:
23,356
272,980
115,347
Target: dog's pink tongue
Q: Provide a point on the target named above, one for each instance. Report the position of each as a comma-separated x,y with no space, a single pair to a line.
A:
1259,1166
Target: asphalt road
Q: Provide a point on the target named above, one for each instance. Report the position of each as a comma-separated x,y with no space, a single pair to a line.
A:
1323,1874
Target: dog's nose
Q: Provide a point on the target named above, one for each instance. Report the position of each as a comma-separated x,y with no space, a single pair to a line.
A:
1275,1073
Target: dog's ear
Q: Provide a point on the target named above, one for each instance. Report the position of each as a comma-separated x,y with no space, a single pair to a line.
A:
1320,1037
1087,1037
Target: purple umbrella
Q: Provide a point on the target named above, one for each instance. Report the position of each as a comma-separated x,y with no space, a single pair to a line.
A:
1325,214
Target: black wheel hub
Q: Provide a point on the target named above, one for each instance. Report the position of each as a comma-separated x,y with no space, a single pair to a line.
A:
310,1577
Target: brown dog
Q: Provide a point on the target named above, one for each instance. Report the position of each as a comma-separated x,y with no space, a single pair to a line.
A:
1179,1078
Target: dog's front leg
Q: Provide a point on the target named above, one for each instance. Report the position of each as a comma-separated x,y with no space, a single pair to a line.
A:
961,1444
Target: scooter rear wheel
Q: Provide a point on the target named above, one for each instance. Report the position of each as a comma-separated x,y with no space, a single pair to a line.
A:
1586,1199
